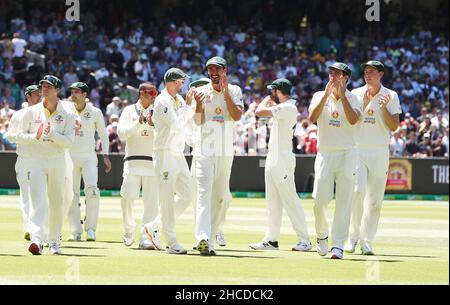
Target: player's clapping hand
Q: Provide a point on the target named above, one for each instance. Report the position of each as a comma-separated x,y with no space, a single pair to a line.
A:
224,82
40,131
384,101
199,97
329,88
341,86
268,101
47,129
141,117
108,165
149,118
190,96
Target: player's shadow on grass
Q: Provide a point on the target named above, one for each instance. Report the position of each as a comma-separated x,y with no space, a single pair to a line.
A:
12,255
82,248
110,242
372,260
239,251
80,255
219,255
406,256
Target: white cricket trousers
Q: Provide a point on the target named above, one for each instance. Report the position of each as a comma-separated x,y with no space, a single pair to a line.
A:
173,178
370,186
281,192
22,176
213,195
334,167
130,191
47,181
225,206
85,166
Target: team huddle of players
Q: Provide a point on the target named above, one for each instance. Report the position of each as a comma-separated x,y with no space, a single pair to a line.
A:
56,148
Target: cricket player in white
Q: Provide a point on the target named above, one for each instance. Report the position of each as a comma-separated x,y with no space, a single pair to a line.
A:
33,96
214,152
170,117
280,168
136,128
85,163
381,116
336,110
49,129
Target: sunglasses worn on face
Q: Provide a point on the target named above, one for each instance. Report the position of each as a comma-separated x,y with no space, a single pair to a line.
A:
151,92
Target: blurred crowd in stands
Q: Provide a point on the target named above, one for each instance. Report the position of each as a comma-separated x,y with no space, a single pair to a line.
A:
113,55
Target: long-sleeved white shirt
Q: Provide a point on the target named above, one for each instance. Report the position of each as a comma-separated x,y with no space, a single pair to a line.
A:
61,135
170,117
91,121
139,138
22,150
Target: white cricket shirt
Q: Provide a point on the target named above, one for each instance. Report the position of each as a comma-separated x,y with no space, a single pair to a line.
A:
335,133
371,130
217,135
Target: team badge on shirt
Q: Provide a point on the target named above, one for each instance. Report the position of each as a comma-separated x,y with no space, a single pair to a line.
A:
87,115
335,114
145,133
218,111
370,112
166,176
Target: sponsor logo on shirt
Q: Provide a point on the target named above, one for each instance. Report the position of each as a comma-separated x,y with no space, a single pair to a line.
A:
371,119
335,123
59,119
218,117
335,114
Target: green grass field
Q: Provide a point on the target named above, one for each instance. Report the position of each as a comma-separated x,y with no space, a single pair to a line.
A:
412,248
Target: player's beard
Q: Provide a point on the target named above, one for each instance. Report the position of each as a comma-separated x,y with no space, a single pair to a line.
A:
275,99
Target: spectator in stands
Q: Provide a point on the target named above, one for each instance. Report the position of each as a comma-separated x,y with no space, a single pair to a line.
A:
114,141
397,145
425,146
114,108
411,147
438,147
19,45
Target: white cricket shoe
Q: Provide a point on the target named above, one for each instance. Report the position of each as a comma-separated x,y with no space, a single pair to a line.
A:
150,232
75,238
145,244
91,235
351,247
220,239
302,247
366,248
337,253
128,239
322,246
176,249
35,249
54,249
265,245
